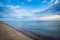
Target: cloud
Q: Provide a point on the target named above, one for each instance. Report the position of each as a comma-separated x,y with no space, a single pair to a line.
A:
18,13
29,0
13,7
44,9
46,18
56,1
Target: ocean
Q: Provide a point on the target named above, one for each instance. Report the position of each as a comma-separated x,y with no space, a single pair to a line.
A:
47,28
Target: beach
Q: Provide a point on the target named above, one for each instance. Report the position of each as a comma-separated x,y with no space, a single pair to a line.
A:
8,33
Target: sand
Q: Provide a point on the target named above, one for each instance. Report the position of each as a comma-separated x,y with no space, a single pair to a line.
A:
8,33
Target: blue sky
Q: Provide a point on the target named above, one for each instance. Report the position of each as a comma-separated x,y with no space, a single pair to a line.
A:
23,10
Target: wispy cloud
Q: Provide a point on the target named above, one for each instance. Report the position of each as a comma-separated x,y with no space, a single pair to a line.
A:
56,2
18,13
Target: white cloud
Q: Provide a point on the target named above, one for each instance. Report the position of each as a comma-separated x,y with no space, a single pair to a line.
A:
56,1
38,9
29,0
18,12
35,10
13,7
46,8
21,12
49,17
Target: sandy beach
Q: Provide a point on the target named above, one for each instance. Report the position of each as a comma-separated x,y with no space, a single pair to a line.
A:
8,33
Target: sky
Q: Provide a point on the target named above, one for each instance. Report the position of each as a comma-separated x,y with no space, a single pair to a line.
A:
25,10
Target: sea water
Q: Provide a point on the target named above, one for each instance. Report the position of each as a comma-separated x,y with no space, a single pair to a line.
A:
49,28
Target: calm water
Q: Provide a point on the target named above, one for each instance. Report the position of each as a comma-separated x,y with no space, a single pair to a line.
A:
50,28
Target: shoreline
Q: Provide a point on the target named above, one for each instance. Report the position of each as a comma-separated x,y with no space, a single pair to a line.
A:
34,36
8,33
